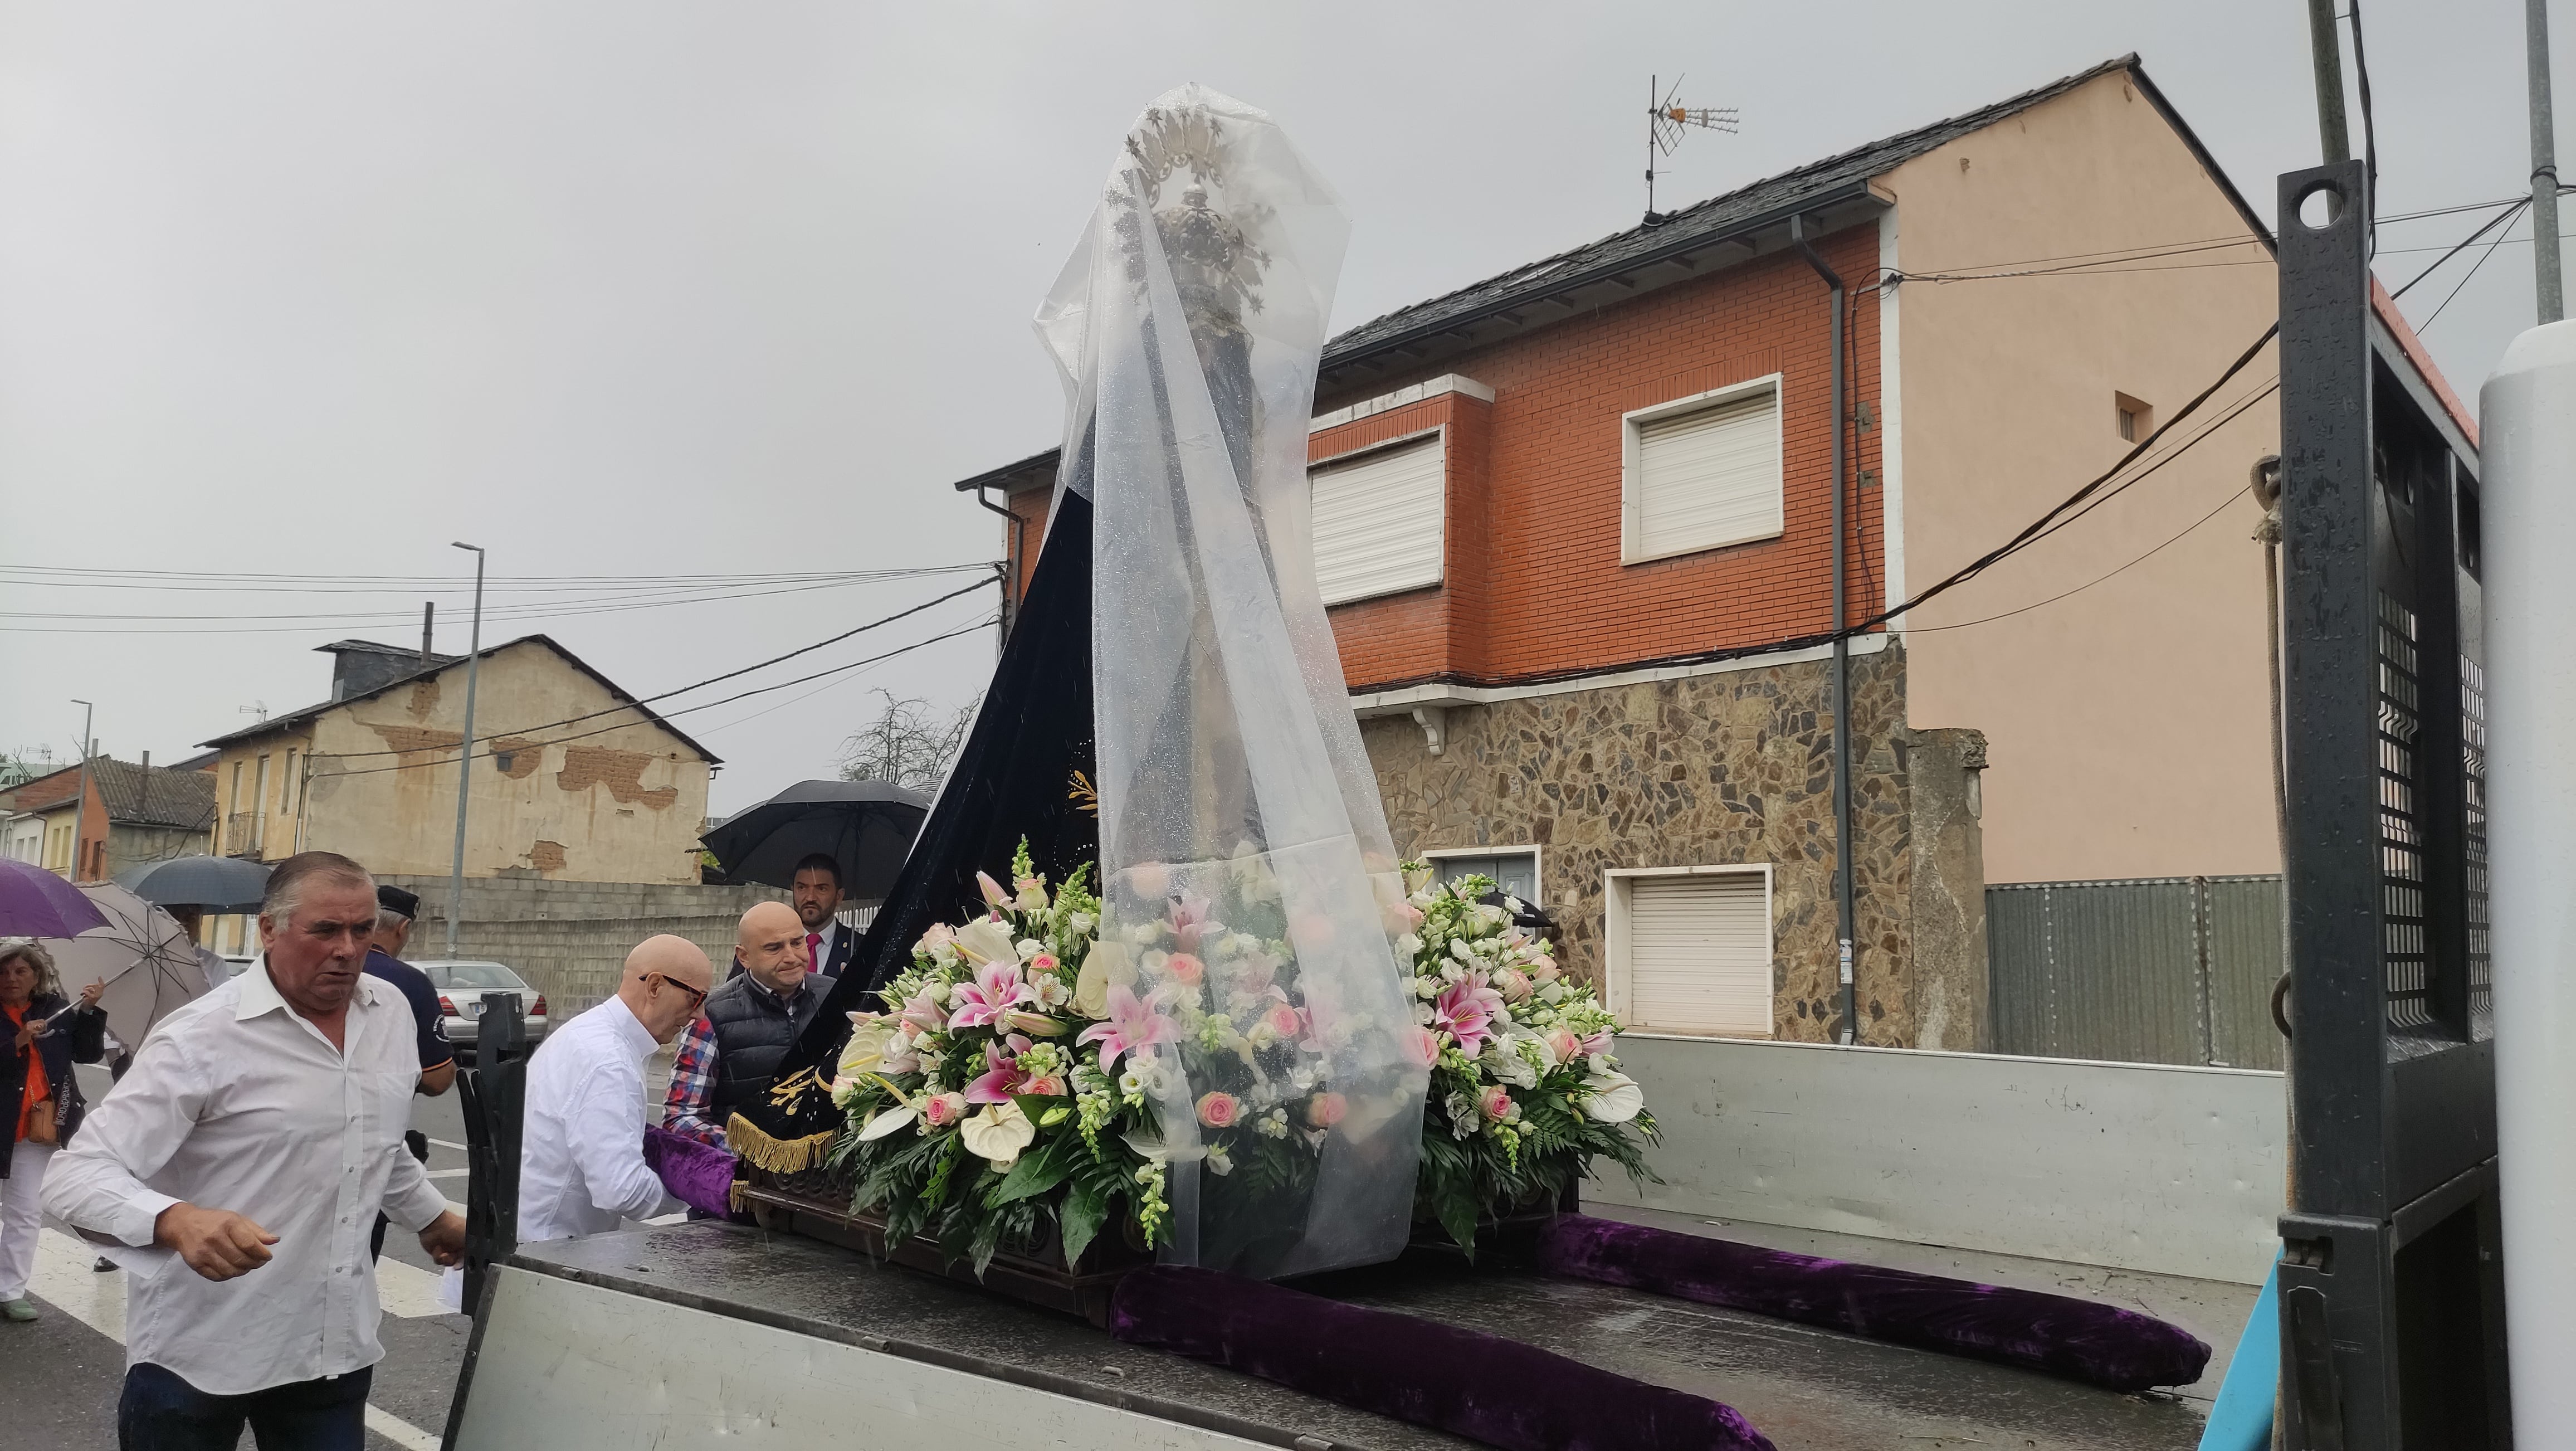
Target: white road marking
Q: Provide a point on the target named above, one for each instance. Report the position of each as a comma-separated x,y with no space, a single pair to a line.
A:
448,1173
680,1218
444,1144
64,1280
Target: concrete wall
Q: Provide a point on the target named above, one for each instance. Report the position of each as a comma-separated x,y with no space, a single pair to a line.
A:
622,805
2127,722
1720,769
571,938
2171,1170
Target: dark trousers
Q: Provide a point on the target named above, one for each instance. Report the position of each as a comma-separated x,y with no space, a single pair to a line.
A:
161,1412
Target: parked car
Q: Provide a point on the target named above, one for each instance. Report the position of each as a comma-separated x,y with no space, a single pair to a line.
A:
461,984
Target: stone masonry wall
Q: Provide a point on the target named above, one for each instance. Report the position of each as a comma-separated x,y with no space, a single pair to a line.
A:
1734,767
570,939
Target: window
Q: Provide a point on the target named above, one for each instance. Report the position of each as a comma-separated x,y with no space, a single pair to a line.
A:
1701,472
1689,949
1514,869
2137,420
1378,520
286,787
259,807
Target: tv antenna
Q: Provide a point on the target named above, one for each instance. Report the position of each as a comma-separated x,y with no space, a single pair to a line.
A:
1665,125
258,708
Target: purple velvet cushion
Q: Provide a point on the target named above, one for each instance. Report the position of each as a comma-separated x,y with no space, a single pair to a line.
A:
2109,1347
696,1174
1465,1382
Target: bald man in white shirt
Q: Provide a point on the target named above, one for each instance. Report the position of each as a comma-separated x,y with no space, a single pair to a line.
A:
581,1156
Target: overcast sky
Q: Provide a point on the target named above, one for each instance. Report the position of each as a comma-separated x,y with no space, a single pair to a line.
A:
658,289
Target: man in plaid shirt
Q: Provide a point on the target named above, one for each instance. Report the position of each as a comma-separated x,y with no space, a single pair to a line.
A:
730,1055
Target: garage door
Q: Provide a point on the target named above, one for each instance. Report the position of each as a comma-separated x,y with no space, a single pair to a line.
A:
1699,954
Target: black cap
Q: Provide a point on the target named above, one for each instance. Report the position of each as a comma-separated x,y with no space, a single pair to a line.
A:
397,901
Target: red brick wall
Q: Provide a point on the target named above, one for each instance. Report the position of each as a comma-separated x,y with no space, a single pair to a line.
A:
1532,580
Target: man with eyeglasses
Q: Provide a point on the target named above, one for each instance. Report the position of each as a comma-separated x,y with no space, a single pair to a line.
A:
581,1160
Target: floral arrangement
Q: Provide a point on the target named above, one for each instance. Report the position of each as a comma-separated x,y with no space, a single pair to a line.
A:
1026,1066
1525,1090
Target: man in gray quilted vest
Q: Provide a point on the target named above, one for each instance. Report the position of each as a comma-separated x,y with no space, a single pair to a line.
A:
730,1055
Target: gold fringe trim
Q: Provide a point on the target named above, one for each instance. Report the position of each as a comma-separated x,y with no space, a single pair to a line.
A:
774,1155
733,1197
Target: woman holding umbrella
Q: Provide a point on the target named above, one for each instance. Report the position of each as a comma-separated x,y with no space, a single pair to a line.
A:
41,1037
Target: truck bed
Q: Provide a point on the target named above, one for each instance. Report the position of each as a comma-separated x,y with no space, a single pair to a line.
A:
690,1334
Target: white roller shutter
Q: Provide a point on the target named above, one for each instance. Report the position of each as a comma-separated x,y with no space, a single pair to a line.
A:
1378,521
1707,477
1699,954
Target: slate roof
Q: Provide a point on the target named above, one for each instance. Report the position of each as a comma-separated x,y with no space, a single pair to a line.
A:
483,729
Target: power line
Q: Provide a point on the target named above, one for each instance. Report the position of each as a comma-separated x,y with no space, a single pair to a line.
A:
2463,282
521,611
718,679
2504,218
2141,559
526,745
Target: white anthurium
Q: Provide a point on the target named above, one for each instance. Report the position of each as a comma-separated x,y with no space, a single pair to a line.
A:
1615,1099
1105,966
985,940
998,1134
889,1121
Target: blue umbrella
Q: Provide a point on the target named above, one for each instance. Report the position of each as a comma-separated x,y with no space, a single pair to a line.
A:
36,903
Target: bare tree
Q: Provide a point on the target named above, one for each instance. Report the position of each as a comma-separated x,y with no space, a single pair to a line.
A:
907,744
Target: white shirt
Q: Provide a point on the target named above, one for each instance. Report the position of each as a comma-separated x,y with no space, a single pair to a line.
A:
581,1150
238,1102
831,935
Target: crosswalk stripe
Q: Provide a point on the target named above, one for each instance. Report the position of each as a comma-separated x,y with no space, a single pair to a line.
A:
65,1280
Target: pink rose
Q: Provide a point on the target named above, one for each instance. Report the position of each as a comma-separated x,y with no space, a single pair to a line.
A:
1283,1020
1326,1109
1186,969
940,935
1563,1043
1043,962
1045,1085
1150,880
1513,985
1545,972
1219,1110
1422,1048
1494,1102
943,1109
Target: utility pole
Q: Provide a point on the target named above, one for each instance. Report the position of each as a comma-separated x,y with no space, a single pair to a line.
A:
80,815
2327,48
2544,166
465,751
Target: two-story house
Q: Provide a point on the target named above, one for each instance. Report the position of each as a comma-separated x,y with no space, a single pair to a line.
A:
1576,527
573,779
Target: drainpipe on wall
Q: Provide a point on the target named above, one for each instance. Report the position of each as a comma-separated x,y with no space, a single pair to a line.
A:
1010,577
1842,648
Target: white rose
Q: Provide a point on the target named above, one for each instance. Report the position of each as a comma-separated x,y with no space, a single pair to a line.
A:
1426,987
1408,947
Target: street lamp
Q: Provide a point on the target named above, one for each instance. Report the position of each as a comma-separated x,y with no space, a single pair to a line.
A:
465,753
80,814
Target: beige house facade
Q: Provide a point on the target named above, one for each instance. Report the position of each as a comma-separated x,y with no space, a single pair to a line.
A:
572,779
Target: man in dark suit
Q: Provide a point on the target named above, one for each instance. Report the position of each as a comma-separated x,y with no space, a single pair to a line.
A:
817,900
395,909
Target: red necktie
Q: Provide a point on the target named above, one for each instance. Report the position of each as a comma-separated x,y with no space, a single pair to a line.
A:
814,951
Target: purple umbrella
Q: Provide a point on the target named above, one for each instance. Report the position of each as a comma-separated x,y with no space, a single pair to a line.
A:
36,903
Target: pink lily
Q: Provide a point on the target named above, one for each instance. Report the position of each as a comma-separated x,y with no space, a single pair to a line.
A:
996,990
1189,922
1464,1010
1002,1077
922,1012
1132,1024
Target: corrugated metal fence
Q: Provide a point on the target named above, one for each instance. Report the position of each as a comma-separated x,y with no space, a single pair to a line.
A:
2156,970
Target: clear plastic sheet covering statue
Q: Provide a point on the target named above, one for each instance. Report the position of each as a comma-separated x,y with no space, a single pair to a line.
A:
1250,886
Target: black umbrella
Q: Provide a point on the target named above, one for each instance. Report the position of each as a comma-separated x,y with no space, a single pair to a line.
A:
866,826
208,883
